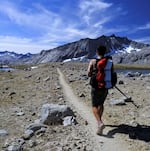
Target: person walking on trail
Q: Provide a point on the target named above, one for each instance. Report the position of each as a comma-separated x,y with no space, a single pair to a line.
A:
98,93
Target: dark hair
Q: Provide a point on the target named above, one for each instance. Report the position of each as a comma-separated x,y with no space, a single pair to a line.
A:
101,50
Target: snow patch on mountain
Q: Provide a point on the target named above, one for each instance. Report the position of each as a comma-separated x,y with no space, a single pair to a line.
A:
129,49
79,59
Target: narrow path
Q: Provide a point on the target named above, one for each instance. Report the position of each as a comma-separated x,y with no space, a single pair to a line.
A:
102,143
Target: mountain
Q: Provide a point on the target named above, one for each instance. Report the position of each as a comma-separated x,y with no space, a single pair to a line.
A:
122,49
7,57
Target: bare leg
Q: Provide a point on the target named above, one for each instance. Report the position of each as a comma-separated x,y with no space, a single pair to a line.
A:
101,109
98,112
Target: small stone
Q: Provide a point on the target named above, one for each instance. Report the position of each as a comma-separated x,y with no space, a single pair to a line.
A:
69,120
15,144
133,123
32,143
20,113
38,78
82,95
28,134
120,82
42,130
12,93
148,87
3,132
37,121
15,147
109,115
33,114
86,122
20,141
35,126
46,79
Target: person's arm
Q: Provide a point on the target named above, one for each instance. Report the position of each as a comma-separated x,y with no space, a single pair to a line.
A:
90,68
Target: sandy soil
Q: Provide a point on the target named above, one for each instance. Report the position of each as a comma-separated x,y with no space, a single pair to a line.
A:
127,127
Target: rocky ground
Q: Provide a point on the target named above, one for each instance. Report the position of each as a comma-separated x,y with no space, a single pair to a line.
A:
23,92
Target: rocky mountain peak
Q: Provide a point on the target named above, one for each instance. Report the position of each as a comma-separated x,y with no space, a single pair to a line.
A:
120,47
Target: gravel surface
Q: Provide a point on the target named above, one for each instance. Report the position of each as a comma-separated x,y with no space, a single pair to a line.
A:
23,92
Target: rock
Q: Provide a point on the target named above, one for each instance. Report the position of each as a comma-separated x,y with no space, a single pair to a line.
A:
132,74
86,123
12,93
27,77
3,132
71,80
118,101
15,147
84,77
14,144
120,82
69,120
46,79
38,79
148,87
54,113
129,74
6,88
137,74
82,95
35,126
34,67
37,121
133,123
20,113
33,114
28,134
57,86
42,130
32,143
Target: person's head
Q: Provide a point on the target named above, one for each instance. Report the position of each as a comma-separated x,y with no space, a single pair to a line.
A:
101,50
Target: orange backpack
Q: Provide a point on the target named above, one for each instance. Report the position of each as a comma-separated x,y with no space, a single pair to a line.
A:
104,75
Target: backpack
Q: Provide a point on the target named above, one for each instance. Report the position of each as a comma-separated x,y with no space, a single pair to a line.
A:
104,75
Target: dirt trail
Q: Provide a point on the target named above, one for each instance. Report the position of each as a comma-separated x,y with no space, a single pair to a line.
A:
102,142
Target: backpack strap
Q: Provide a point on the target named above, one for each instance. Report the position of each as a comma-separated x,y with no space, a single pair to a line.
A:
95,66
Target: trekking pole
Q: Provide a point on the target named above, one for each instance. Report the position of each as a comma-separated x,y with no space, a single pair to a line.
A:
122,93
128,99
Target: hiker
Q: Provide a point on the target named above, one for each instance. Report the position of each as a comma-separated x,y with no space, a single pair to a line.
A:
98,93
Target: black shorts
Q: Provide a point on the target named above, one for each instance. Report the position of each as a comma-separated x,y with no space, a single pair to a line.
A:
98,96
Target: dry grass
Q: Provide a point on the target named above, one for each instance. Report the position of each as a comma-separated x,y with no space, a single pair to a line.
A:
126,66
117,66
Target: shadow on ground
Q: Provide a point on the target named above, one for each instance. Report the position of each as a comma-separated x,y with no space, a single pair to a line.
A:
140,132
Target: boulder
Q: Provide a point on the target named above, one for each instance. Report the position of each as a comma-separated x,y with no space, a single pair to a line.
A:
120,101
54,113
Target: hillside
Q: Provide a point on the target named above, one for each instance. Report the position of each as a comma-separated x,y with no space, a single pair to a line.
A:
123,50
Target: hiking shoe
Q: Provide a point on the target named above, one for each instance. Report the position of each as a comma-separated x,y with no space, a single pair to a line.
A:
100,129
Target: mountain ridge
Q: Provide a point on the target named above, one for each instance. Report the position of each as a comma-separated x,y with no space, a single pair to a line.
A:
123,50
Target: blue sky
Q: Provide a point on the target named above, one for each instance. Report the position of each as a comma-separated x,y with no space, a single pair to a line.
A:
35,25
